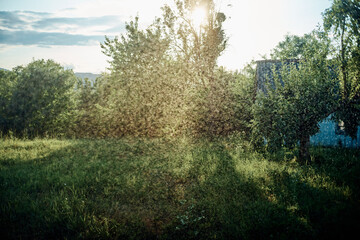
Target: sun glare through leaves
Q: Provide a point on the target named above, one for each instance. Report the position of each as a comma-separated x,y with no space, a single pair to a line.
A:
198,17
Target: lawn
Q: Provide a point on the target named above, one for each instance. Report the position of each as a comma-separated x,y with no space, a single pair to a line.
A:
135,188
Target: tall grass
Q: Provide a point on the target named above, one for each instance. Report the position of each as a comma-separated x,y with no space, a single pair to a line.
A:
137,188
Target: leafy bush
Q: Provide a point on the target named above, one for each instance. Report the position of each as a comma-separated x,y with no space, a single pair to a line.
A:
8,82
40,99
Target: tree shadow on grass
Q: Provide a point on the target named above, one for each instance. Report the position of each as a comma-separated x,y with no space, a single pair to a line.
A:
235,206
119,189
327,211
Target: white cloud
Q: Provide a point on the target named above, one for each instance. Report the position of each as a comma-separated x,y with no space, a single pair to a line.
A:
81,58
255,27
125,9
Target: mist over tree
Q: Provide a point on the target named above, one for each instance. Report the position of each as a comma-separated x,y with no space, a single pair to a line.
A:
197,46
164,79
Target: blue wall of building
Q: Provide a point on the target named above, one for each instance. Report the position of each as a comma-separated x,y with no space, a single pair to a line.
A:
328,136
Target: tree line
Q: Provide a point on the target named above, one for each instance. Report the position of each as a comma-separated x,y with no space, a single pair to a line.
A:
164,81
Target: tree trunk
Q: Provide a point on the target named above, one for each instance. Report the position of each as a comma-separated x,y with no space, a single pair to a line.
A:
304,155
344,62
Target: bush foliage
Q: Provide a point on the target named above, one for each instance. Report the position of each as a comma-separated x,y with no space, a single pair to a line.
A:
38,99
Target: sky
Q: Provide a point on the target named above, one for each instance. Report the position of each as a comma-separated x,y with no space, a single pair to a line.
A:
70,31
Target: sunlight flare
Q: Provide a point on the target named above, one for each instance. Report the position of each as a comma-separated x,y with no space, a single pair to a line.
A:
198,17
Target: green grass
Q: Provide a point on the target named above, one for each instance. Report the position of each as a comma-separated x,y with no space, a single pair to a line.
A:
174,189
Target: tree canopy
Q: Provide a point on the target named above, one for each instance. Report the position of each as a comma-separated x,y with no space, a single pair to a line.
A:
342,19
39,98
297,99
298,95
164,79
309,46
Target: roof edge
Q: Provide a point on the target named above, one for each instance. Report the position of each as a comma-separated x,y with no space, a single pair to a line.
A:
275,61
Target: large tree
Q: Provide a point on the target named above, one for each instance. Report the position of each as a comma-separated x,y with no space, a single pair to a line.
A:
42,101
297,99
158,74
299,94
342,19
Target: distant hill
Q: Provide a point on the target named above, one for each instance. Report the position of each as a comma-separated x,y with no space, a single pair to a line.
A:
82,75
90,76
